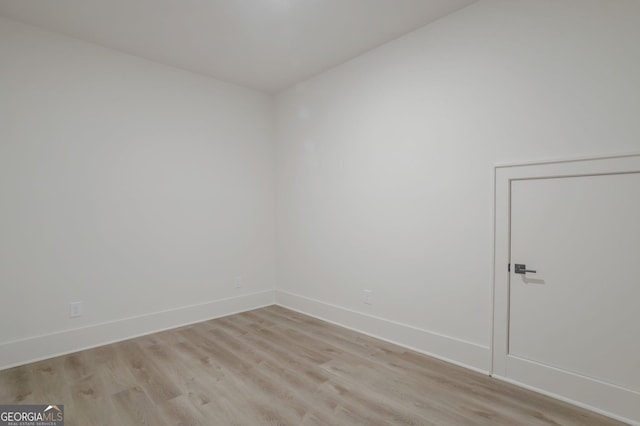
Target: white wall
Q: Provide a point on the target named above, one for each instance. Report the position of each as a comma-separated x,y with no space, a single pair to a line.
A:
385,164
142,190
131,186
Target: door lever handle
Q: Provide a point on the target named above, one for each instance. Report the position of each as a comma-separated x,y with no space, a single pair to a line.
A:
522,269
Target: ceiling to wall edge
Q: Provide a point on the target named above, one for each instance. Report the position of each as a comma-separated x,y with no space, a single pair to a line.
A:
272,92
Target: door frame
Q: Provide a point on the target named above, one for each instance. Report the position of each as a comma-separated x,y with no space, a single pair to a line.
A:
579,391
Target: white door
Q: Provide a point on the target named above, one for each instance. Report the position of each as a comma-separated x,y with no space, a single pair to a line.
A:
572,327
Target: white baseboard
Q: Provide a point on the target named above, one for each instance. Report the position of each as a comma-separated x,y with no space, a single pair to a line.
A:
455,351
23,351
465,354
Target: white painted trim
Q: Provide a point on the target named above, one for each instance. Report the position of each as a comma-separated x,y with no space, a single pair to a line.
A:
455,351
31,349
492,342
567,400
568,160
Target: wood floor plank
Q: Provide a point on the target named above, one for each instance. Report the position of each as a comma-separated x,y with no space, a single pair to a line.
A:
150,376
112,369
182,411
134,407
15,385
243,389
48,374
92,403
273,366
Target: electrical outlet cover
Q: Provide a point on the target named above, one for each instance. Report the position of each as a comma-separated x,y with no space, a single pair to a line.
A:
75,309
237,282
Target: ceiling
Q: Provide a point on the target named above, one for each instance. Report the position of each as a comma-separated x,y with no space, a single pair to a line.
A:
267,45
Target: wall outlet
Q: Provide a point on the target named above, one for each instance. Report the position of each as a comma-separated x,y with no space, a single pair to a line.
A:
237,282
367,297
75,309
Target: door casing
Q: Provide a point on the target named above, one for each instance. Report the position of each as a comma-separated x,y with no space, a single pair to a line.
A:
578,391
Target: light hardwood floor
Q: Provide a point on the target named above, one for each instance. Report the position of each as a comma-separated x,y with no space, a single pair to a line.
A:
273,366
